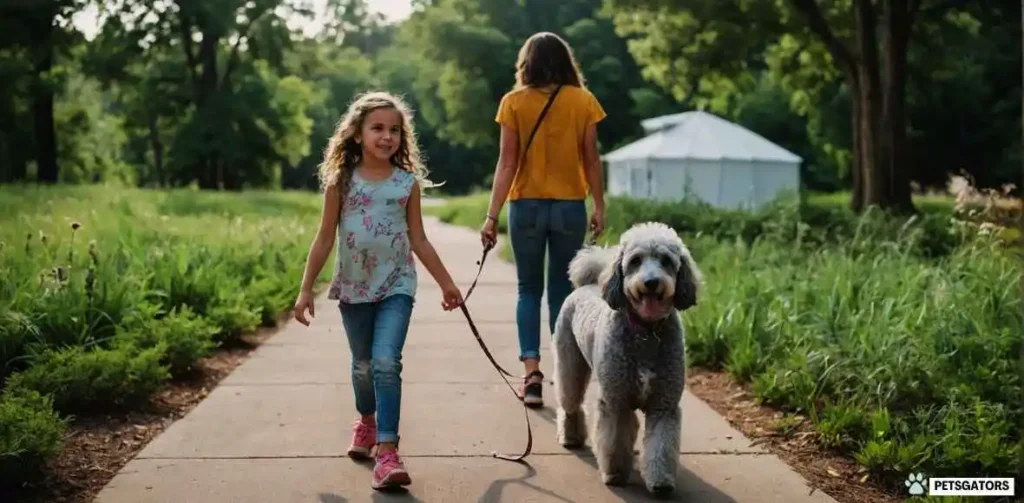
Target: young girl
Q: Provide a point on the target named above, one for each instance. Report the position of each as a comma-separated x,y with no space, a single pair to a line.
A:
371,178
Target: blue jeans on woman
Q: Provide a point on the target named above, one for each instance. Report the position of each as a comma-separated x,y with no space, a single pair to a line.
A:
376,334
558,227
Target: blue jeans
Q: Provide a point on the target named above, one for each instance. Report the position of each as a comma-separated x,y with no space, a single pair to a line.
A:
559,226
376,335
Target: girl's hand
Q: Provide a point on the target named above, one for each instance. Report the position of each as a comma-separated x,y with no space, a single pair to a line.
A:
489,233
304,302
452,297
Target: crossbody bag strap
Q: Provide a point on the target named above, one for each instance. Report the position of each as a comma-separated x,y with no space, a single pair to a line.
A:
539,119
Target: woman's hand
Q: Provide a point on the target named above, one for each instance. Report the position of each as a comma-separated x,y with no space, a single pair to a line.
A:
452,297
489,233
302,304
597,222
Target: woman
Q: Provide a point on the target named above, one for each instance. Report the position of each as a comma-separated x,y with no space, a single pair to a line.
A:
546,181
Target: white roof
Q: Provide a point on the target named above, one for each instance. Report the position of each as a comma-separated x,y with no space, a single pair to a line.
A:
700,135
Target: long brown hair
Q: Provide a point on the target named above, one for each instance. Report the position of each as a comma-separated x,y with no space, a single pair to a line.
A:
546,59
343,154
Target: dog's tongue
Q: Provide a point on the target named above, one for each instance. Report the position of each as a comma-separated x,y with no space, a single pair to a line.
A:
650,306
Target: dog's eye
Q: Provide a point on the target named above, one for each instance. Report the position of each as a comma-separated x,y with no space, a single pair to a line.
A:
634,262
667,262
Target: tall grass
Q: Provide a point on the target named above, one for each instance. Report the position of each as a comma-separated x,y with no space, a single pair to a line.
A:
106,293
905,363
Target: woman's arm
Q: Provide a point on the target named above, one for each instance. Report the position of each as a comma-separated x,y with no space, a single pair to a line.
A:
420,244
592,166
505,172
324,240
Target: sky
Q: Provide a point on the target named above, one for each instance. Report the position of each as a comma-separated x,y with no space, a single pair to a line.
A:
393,10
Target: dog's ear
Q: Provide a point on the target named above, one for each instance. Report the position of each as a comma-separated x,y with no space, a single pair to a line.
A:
687,281
612,291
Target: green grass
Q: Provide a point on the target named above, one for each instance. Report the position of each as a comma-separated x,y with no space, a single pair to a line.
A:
899,339
107,293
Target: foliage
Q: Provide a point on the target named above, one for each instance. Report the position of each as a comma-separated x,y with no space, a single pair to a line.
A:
89,380
253,106
107,293
874,329
30,434
717,53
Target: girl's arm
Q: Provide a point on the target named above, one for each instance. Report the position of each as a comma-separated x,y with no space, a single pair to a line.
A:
421,245
323,243
505,172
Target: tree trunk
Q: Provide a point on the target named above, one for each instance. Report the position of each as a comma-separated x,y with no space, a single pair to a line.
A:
878,105
857,198
158,152
205,175
210,162
896,19
42,111
874,152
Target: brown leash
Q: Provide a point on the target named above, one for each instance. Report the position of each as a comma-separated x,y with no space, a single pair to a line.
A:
501,371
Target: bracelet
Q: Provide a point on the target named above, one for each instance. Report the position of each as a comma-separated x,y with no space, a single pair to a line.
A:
492,218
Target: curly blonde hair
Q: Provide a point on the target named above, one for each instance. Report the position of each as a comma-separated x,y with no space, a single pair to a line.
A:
342,154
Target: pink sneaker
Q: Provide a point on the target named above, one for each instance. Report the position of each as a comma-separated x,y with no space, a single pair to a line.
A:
364,437
389,472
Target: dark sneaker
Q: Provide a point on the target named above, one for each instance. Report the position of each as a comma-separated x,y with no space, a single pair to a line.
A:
532,389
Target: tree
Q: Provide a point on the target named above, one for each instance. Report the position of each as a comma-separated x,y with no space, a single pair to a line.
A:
220,64
40,28
713,48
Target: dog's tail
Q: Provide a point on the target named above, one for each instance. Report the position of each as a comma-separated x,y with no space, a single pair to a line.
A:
588,264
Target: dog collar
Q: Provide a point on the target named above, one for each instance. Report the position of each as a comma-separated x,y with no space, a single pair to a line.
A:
639,328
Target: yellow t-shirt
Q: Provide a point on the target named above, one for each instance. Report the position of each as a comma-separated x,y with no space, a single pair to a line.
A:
553,167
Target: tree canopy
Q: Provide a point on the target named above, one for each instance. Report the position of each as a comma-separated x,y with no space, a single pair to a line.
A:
232,94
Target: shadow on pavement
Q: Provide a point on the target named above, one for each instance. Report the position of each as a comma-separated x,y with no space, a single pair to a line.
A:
689,487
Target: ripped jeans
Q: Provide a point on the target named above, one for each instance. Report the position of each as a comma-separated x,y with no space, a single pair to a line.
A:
376,334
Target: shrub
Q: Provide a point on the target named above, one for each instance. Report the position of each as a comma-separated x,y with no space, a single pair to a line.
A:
184,336
30,434
83,381
16,332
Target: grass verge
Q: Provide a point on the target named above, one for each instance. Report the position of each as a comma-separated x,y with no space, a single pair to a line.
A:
107,295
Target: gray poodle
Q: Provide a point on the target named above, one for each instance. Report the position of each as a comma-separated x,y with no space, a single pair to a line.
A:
621,323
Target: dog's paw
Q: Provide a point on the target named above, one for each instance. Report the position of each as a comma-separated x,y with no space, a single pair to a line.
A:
570,442
660,484
572,445
615,478
571,429
658,480
662,489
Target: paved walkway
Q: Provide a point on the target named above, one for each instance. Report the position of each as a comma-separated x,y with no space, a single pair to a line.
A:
276,429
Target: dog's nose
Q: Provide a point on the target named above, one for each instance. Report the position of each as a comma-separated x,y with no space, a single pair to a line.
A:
651,284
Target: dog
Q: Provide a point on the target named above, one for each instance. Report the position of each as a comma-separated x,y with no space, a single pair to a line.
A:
621,324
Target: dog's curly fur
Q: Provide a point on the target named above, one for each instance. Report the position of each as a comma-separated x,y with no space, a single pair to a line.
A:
636,352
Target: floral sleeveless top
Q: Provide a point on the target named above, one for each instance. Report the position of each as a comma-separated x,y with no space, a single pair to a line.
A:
375,258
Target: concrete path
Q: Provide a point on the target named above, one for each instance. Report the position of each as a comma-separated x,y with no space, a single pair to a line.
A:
277,428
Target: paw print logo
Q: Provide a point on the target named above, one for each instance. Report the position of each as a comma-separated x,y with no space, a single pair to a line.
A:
915,482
